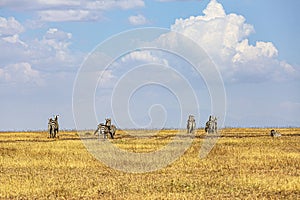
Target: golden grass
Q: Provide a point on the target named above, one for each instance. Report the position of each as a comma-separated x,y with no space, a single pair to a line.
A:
244,164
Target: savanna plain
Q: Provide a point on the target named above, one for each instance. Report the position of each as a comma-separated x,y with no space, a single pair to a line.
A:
245,163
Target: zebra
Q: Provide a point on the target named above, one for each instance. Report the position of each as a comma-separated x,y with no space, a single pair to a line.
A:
53,127
101,129
106,128
211,125
111,128
50,121
274,133
191,124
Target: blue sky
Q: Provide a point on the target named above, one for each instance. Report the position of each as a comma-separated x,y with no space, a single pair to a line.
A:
255,46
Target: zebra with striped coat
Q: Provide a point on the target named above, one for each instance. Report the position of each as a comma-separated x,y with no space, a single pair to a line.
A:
191,124
53,127
211,125
106,128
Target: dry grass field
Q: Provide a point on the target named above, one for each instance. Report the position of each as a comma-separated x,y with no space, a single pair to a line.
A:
244,164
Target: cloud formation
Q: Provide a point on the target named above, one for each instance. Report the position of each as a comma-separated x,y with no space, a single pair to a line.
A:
20,73
225,38
71,10
68,15
10,26
54,33
26,60
137,20
144,57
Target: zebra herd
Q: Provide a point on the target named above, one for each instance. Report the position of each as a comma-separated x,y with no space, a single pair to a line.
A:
108,128
211,126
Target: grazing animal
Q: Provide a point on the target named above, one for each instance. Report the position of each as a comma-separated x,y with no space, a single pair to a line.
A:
191,124
53,127
274,133
101,129
106,128
50,130
111,129
211,125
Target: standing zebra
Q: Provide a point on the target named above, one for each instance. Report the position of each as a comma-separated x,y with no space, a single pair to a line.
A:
191,124
53,127
211,125
111,128
106,128
102,129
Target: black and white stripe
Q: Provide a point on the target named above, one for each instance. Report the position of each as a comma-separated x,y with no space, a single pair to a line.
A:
53,127
191,124
211,125
105,129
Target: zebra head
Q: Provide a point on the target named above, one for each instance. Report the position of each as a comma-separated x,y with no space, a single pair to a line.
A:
191,118
107,121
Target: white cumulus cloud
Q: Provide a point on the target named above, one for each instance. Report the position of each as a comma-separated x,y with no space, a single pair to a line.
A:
14,40
20,73
144,56
71,10
137,19
10,26
111,4
225,39
68,15
53,50
106,78
54,33
27,59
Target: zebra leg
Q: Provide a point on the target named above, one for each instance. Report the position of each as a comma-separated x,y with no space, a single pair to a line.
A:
55,134
190,128
96,131
104,133
51,133
111,135
49,130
